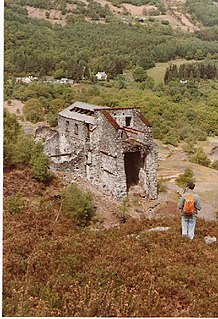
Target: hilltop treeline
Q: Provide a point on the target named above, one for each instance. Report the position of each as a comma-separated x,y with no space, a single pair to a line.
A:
62,4
191,71
36,47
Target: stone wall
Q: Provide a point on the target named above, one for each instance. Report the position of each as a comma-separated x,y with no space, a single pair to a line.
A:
120,116
151,178
107,169
98,151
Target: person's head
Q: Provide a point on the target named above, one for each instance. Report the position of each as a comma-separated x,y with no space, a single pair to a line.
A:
191,185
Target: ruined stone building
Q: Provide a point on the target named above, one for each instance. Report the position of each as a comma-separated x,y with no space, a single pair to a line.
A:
110,147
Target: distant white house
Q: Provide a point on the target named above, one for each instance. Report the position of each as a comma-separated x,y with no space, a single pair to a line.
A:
30,79
183,81
27,79
66,81
101,76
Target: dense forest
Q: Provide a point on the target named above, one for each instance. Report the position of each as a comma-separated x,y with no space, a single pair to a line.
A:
191,71
205,11
111,46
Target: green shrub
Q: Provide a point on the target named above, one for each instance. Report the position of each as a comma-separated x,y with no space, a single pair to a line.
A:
200,158
52,119
23,150
171,138
215,165
200,135
40,167
11,131
15,204
33,110
122,210
183,179
78,205
139,74
189,146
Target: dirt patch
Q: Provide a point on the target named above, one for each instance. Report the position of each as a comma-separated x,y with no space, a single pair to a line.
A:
55,16
178,15
112,8
15,107
135,10
173,162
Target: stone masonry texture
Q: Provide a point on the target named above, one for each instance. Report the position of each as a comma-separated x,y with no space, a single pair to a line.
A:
111,147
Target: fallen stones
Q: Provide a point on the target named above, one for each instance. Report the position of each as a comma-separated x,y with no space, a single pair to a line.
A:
209,240
159,229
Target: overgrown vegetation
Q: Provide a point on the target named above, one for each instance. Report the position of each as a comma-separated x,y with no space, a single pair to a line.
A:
177,112
77,205
52,268
21,150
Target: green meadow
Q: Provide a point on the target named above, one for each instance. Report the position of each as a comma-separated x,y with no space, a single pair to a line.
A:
157,73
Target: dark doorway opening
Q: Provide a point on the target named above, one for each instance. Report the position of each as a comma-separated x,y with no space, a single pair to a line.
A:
128,120
132,163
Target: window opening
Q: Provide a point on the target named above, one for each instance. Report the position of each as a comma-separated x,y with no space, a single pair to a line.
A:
67,126
87,131
76,129
128,120
82,111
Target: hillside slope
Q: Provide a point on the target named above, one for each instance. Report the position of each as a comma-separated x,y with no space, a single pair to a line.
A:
53,268
176,13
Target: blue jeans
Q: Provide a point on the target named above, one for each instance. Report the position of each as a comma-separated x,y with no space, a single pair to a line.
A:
188,226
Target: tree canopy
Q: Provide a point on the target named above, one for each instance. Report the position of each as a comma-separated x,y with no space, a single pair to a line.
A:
34,46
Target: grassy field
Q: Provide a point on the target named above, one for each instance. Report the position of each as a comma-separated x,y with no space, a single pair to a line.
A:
157,73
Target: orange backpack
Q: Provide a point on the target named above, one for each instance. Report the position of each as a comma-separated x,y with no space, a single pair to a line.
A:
189,205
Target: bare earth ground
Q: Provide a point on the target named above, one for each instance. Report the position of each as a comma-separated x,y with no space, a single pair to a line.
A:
172,162
55,15
176,13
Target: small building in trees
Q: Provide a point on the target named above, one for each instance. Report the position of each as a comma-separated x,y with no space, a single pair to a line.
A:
102,76
111,147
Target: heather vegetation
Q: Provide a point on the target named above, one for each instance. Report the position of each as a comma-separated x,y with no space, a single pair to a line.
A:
54,268
58,258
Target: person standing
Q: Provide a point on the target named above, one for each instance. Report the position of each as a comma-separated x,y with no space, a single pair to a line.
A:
190,204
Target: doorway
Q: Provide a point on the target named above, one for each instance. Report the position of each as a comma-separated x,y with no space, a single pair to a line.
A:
132,164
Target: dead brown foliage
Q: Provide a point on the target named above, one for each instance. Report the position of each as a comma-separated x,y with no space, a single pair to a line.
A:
53,268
